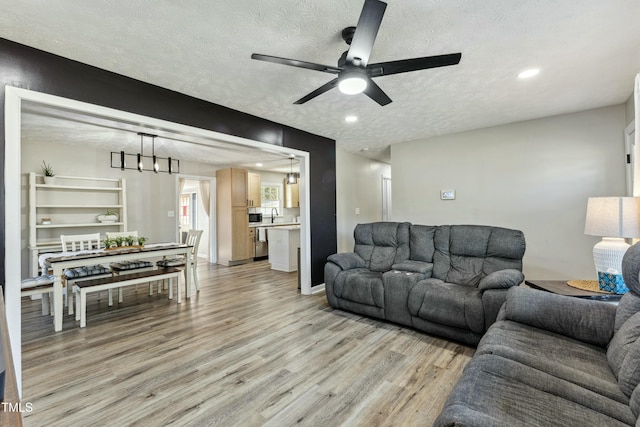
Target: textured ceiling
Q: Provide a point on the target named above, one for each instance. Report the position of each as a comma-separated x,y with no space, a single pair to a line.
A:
588,53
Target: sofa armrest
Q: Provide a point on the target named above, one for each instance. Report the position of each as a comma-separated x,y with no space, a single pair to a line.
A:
501,279
347,260
584,320
414,267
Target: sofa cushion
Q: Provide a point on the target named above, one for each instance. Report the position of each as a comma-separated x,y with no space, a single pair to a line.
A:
447,304
574,361
364,288
634,403
414,266
382,244
347,260
421,244
621,344
498,391
502,279
581,319
465,254
629,374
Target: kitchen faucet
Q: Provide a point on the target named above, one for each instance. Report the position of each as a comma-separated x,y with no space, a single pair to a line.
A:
276,209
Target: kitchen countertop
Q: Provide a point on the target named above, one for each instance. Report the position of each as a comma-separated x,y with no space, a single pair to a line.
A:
289,227
275,224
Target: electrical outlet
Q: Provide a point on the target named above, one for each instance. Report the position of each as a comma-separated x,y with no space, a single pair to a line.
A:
357,211
447,194
171,214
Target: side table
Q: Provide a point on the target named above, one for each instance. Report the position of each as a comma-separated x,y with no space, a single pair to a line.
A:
561,287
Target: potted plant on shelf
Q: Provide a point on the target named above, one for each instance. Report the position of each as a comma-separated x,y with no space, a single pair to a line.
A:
141,241
108,217
47,171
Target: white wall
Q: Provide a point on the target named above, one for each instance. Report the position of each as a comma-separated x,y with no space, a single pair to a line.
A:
150,196
534,176
358,185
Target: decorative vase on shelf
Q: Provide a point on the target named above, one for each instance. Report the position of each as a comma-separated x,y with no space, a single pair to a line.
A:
108,218
49,180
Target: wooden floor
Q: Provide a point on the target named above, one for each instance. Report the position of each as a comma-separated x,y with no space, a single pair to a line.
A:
247,350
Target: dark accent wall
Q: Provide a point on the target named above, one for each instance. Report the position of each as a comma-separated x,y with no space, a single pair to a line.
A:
25,67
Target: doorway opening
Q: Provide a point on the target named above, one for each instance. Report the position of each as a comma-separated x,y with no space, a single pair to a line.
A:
196,211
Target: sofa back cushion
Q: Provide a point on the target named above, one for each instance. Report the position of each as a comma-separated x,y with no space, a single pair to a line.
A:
382,244
465,254
623,354
630,302
421,243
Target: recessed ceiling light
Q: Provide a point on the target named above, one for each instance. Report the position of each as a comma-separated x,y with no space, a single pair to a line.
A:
351,119
529,73
259,165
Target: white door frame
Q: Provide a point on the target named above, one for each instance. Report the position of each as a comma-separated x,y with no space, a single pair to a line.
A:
213,246
630,150
14,97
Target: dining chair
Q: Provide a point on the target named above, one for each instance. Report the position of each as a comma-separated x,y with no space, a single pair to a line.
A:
41,285
133,266
76,243
193,240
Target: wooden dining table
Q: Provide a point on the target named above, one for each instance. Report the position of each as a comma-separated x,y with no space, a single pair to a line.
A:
58,264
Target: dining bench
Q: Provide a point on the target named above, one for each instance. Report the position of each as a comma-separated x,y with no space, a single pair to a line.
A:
95,285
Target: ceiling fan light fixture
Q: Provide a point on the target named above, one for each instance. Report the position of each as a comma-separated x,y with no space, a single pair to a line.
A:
352,83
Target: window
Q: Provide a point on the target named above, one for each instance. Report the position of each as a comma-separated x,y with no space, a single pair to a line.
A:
271,197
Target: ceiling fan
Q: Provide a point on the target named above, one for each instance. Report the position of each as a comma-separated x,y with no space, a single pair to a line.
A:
353,70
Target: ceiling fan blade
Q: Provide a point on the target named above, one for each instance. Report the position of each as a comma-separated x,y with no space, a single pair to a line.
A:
296,63
374,92
406,65
366,32
322,89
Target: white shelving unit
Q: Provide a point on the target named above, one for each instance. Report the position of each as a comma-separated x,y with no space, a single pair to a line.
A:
73,204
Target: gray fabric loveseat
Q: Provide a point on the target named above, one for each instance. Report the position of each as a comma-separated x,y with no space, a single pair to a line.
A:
552,360
447,280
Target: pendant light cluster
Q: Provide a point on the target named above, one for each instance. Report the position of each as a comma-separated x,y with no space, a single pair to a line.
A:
158,164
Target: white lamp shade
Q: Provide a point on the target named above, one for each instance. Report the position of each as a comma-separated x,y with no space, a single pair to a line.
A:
613,217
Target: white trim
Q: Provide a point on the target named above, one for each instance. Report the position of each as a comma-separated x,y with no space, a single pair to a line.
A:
13,109
318,288
629,146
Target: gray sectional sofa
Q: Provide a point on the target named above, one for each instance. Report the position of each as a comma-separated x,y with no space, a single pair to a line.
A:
552,360
448,280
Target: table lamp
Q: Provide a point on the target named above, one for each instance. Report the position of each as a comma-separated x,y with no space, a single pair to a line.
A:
613,219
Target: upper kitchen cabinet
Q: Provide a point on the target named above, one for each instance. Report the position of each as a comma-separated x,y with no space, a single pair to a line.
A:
291,194
255,191
237,179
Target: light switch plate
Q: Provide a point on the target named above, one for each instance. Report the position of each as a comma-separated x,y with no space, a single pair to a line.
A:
447,194
171,214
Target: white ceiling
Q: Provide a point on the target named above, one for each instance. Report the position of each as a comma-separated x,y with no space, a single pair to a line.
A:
588,52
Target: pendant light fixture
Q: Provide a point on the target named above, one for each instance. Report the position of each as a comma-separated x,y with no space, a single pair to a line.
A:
173,165
292,178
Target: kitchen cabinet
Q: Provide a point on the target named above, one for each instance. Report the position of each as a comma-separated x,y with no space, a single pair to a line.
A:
291,194
71,205
283,247
239,191
252,240
255,190
232,217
